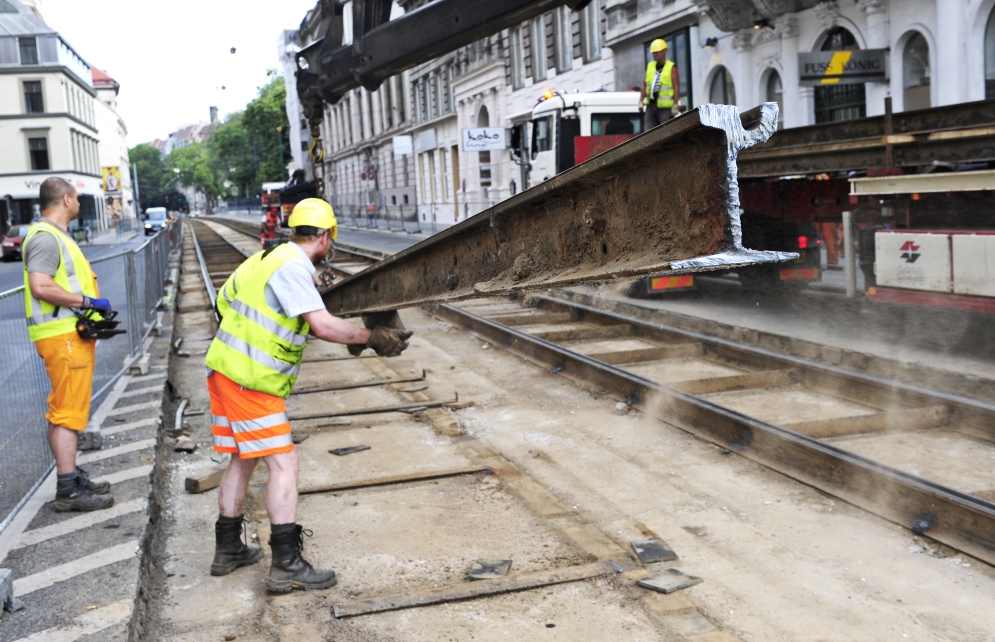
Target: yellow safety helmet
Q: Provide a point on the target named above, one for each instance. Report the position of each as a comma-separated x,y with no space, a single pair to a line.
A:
314,212
658,45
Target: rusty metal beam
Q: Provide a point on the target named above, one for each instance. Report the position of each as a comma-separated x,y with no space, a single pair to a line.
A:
665,202
962,133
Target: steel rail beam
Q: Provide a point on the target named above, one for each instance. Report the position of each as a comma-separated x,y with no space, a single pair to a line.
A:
957,519
665,202
380,49
960,133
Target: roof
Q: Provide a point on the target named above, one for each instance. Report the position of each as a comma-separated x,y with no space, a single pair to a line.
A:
22,22
101,79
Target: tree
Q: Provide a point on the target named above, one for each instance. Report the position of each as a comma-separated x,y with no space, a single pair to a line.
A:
151,173
191,167
266,123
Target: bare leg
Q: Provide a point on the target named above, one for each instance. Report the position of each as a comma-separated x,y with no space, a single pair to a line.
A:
234,483
281,493
63,443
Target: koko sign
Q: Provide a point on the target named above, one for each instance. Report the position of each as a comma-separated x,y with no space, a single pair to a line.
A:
819,68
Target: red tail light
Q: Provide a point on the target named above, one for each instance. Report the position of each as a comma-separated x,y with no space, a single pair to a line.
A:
802,242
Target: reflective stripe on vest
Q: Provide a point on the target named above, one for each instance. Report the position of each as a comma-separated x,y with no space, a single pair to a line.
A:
665,97
73,275
256,346
229,290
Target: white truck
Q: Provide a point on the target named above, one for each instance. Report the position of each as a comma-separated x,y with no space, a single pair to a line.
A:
568,129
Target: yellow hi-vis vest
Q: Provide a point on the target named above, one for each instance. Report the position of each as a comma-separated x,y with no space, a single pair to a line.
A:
256,346
665,98
73,275
231,287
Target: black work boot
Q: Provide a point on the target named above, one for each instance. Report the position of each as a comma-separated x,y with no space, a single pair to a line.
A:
75,495
97,488
289,570
230,552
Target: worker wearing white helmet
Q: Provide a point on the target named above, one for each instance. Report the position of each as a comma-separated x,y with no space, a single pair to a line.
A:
661,88
254,361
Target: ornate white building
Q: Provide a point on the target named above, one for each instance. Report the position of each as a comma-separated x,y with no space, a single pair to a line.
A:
740,52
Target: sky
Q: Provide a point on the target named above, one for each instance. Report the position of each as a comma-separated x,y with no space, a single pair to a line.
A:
172,58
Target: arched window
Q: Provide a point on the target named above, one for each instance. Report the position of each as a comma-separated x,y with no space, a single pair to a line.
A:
722,91
915,73
990,57
775,94
834,103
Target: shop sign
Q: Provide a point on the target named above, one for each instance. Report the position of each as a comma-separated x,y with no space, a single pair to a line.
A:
483,139
818,68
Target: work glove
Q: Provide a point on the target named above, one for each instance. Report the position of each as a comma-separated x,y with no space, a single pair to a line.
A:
100,305
382,321
389,342
675,111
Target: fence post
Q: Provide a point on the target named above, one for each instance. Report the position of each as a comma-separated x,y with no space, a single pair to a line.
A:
131,290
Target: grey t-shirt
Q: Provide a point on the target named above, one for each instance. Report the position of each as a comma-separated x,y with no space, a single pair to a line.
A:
42,254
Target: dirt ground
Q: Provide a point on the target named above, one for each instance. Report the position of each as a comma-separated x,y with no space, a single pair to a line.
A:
573,480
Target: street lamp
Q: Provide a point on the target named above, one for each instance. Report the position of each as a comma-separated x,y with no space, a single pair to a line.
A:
283,167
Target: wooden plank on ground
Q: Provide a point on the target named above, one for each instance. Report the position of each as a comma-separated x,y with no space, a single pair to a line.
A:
581,332
745,381
396,479
906,419
203,482
676,351
520,317
473,590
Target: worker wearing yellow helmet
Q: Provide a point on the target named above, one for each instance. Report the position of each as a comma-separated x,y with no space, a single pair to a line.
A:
661,88
253,363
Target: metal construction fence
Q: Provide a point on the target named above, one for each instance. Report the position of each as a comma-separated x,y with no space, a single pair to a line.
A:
421,217
134,281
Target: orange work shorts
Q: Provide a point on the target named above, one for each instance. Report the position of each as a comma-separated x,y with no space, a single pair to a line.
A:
69,361
246,422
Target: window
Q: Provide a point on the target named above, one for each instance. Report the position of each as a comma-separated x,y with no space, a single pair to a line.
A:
446,176
590,29
485,169
615,124
834,103
542,135
33,103
431,176
433,82
564,42
517,59
539,70
29,51
38,150
422,101
990,57
915,73
775,94
423,183
447,94
722,90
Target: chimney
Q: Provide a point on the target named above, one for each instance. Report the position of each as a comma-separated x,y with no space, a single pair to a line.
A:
214,114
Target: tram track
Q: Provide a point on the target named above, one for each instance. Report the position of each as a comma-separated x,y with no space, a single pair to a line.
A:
817,423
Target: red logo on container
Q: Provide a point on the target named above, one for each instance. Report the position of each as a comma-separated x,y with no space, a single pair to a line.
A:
909,252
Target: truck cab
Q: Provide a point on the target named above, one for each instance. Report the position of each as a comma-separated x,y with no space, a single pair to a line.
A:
569,128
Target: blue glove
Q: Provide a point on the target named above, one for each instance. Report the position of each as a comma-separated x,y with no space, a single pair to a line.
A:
101,305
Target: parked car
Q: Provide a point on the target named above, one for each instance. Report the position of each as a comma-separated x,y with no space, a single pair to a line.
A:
156,218
11,243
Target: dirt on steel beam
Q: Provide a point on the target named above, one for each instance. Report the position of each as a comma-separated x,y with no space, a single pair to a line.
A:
665,202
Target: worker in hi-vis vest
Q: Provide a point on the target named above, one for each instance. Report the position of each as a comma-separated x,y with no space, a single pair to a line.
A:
270,306
56,277
661,88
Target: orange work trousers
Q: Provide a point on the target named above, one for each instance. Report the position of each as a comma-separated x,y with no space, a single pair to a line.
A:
247,423
69,361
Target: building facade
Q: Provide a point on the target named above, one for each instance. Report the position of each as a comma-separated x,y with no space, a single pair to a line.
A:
48,119
115,167
400,144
